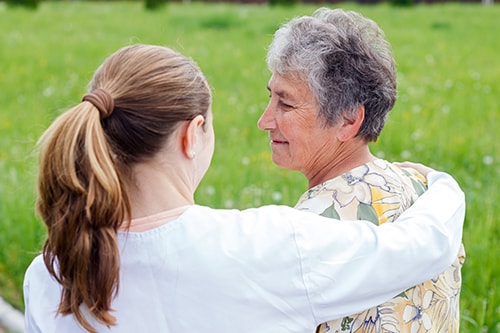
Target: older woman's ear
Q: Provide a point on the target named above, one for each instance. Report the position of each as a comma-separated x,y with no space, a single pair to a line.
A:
350,126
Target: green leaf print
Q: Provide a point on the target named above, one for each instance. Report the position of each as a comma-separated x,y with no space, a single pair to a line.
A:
418,186
331,212
346,323
368,213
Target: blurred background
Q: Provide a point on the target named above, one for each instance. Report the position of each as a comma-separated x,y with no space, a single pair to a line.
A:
446,116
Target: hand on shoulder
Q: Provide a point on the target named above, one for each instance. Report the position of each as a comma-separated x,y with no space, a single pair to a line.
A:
423,169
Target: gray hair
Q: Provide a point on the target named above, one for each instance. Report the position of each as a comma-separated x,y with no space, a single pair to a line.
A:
346,61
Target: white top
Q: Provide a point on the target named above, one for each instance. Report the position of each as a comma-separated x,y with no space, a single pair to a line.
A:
270,269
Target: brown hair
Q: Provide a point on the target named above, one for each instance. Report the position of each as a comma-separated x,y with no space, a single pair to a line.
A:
85,159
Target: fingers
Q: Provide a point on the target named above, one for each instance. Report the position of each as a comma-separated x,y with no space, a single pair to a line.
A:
423,169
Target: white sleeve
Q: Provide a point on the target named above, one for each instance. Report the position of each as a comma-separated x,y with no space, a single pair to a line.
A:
367,264
29,324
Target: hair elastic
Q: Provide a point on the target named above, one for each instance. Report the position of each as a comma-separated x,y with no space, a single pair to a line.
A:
102,100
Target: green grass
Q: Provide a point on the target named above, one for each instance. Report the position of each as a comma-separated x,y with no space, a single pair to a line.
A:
447,114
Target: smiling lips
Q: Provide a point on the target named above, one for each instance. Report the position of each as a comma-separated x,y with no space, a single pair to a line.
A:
278,142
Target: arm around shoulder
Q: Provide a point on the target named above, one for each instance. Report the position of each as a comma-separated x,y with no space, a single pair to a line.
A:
349,266
443,203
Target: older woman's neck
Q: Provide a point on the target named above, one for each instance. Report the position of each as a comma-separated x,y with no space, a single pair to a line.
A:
349,156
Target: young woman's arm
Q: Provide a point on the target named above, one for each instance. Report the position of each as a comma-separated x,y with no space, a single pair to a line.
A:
367,264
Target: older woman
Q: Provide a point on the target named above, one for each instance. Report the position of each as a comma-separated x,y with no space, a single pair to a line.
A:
333,83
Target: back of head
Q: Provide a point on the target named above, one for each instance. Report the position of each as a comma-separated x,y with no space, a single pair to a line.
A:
345,59
136,99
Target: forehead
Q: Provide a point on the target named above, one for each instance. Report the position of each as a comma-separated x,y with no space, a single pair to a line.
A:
289,86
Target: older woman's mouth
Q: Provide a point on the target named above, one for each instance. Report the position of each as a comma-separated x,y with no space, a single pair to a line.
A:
278,142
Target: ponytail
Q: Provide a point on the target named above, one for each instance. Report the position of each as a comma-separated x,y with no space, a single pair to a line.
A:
81,199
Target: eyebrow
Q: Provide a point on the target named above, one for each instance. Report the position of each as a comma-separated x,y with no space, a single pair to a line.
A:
281,94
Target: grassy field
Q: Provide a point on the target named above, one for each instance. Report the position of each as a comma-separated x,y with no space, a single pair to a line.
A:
447,114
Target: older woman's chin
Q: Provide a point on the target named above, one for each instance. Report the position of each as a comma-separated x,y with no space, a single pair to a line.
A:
281,162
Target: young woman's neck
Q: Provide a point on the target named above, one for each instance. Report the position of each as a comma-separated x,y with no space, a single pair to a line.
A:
158,187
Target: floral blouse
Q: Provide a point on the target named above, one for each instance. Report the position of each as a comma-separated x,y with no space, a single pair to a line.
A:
379,192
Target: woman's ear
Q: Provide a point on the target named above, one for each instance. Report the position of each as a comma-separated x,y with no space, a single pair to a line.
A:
350,127
190,136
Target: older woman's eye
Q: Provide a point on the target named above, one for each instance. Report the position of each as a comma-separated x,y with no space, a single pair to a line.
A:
285,106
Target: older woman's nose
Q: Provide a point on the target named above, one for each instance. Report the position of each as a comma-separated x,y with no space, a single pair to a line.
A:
266,121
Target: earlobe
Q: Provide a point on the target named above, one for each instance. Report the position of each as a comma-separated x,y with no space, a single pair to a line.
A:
350,127
190,136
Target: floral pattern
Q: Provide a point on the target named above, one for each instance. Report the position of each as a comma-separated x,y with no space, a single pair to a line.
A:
416,313
379,192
